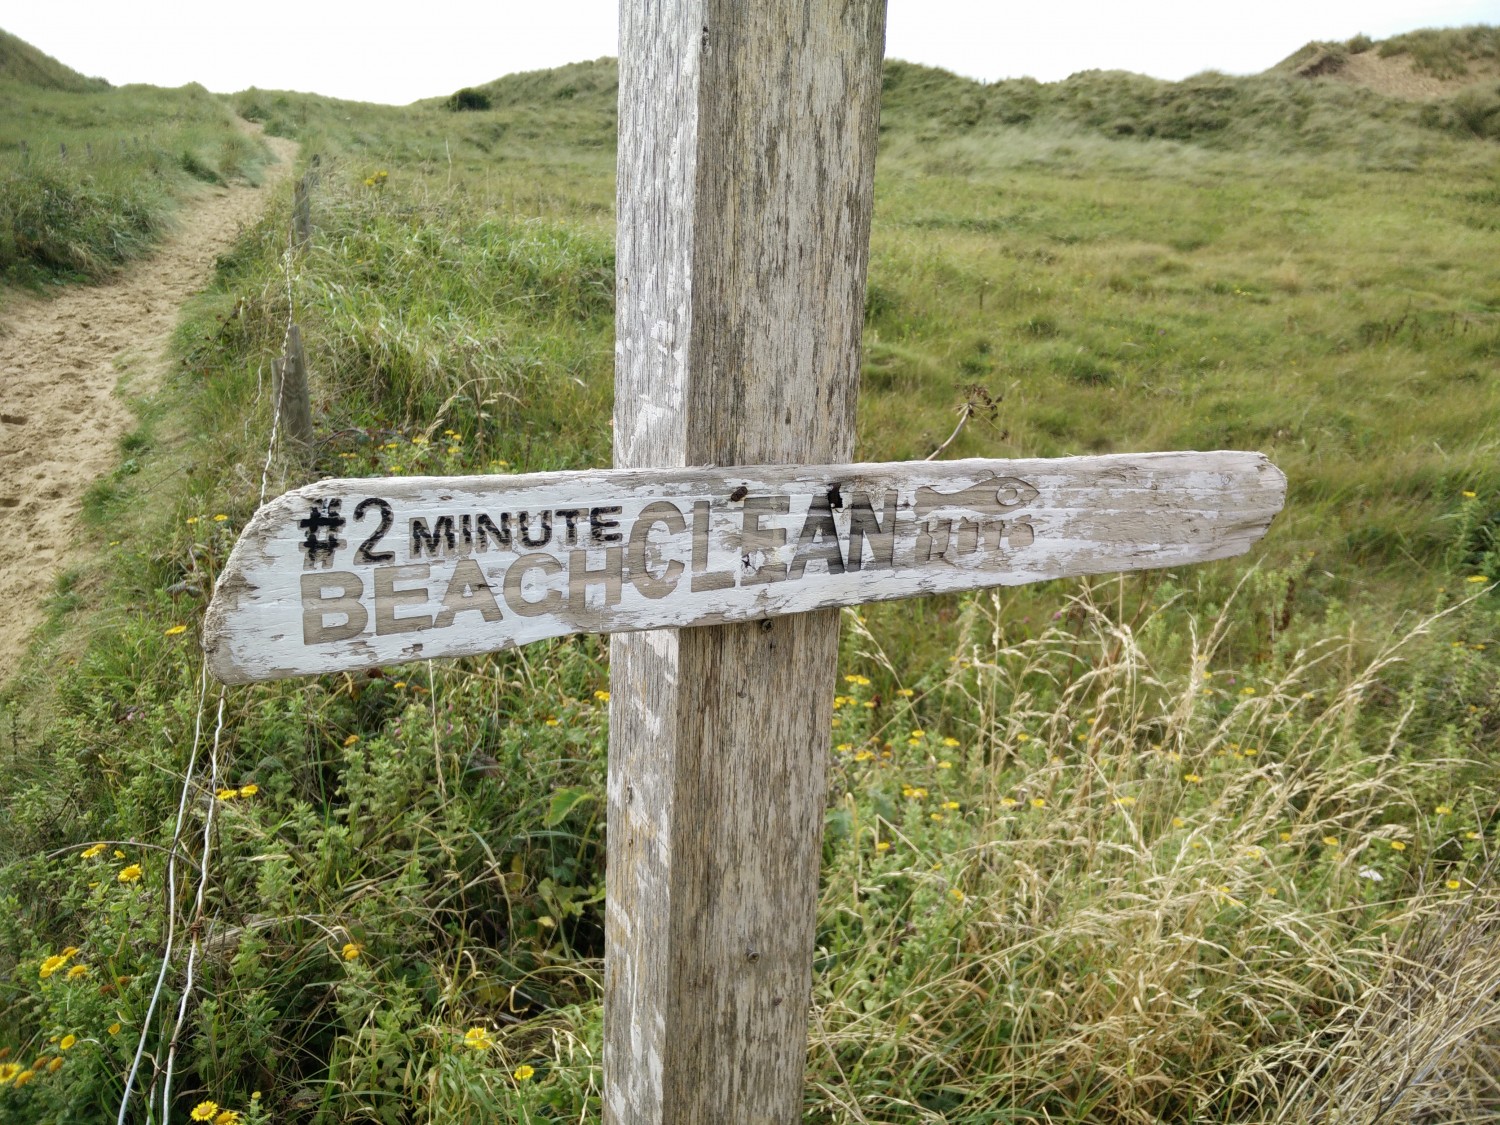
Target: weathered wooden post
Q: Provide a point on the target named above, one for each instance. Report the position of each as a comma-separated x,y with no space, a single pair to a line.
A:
302,214
746,167
747,146
289,394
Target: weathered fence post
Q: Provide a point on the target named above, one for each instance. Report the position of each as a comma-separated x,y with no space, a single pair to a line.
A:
289,392
25,153
747,151
62,150
302,214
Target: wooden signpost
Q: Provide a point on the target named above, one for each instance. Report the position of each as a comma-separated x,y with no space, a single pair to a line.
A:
747,149
348,574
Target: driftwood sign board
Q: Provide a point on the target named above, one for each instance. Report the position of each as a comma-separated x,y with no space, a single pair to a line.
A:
347,574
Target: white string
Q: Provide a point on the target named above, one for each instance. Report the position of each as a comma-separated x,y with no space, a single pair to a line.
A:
196,925
166,958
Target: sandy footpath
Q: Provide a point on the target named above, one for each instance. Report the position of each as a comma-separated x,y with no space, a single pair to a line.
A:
60,419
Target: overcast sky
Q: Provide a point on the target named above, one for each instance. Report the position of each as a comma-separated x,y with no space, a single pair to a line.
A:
375,50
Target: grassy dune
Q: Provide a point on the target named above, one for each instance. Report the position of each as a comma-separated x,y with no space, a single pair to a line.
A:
1210,845
89,174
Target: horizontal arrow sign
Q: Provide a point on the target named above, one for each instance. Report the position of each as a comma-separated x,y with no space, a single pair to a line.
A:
347,574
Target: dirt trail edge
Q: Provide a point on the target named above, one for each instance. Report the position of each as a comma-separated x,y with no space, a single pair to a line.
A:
60,419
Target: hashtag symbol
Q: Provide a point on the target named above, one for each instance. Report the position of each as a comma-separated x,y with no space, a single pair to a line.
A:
322,516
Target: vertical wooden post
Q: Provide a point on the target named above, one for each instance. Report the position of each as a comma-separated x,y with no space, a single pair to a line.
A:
289,393
62,150
25,153
747,151
302,214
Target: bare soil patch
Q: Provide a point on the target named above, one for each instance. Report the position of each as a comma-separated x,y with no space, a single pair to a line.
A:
1394,76
61,418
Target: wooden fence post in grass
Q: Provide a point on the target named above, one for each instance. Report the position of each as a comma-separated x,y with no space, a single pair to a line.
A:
289,393
302,214
25,153
746,163
62,151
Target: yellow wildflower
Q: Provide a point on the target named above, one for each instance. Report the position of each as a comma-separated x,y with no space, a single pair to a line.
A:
91,852
78,971
1331,841
175,629
951,805
945,764
129,874
1192,778
249,790
68,1041
220,518
951,743
919,734
958,895
8,1072
113,1029
883,845
1443,810
551,722
478,1038
1038,803
1453,884
1477,578
602,696
227,794
55,1065
905,693
228,1117
352,950
24,1077
51,965
1008,802
1125,802
523,1072
1178,822
937,816
1468,495
1398,845
205,1111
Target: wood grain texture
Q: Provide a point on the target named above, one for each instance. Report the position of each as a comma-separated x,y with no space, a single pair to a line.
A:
290,394
346,574
747,152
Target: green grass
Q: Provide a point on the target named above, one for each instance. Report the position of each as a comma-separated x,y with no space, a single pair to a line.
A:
1108,852
22,63
1446,52
89,174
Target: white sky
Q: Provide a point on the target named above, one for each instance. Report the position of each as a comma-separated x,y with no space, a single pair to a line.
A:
376,50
